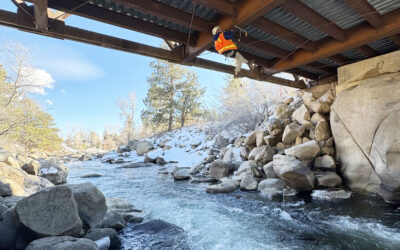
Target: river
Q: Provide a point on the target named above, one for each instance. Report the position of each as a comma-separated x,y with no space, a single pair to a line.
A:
245,220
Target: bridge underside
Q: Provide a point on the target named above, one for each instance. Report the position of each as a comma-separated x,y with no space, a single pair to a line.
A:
307,38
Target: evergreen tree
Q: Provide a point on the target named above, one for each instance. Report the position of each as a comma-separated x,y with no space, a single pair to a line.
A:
174,93
189,105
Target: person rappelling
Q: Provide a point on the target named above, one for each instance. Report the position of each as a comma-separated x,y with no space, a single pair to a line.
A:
224,44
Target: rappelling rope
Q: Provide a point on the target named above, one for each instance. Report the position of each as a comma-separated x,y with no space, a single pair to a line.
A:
190,27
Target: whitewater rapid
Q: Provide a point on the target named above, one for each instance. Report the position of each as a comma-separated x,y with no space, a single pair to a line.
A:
245,220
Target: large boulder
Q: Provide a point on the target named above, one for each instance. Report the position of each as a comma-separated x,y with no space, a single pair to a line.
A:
325,162
232,158
262,154
251,139
269,170
143,147
322,131
62,243
260,134
302,115
54,171
9,229
50,212
114,219
133,144
294,172
100,233
364,122
248,183
91,204
14,181
304,151
224,187
181,174
271,186
219,169
328,180
157,234
291,132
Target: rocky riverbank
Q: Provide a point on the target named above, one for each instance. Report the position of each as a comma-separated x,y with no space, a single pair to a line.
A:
38,210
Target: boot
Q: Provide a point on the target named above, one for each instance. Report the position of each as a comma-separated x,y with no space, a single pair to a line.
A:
239,61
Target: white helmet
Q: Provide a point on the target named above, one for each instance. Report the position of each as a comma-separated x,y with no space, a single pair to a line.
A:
215,30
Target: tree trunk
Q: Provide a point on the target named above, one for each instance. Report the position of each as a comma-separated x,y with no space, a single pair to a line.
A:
170,120
182,121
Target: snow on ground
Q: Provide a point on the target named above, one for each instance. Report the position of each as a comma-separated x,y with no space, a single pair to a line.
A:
186,147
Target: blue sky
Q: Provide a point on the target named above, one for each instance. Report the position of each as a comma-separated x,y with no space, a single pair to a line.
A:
89,80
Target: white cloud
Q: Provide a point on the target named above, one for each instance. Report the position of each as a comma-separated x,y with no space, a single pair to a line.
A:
68,64
63,91
36,80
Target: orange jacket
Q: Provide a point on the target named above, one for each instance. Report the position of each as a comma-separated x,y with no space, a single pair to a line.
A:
222,44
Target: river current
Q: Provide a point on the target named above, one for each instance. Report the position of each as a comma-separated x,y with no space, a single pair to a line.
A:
245,220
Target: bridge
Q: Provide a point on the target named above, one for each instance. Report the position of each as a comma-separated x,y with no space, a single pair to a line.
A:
307,38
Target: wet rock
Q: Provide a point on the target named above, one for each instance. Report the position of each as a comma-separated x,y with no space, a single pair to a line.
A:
181,174
143,147
331,194
291,132
137,165
10,201
158,234
328,180
322,131
84,158
99,233
91,176
50,212
203,180
271,186
325,162
120,205
269,170
224,187
305,151
62,243
91,203
3,208
114,220
262,154
248,183
294,172
160,161
53,171
219,169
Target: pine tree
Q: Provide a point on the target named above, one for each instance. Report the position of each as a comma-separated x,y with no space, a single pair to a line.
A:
165,82
174,93
189,105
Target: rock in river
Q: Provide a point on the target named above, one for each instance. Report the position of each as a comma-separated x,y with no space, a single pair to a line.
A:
157,234
62,243
50,212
